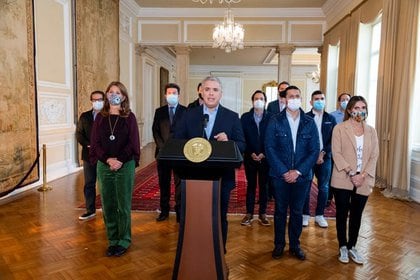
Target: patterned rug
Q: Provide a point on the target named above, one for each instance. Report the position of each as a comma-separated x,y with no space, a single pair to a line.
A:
146,194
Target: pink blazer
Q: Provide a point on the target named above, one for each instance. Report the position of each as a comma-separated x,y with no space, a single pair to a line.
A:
344,155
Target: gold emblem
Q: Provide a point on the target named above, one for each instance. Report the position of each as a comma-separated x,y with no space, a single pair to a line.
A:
197,149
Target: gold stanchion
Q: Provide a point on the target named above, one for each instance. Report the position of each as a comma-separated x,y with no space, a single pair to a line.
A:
44,186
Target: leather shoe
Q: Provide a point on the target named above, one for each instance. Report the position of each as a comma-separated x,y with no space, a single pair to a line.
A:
162,217
119,251
277,252
110,251
298,253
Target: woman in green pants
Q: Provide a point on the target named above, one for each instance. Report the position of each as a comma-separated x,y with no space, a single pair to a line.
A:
115,147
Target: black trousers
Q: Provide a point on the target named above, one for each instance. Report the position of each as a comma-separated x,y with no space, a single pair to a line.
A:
256,171
348,204
164,173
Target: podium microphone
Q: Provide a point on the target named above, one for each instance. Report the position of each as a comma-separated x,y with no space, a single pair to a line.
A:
205,121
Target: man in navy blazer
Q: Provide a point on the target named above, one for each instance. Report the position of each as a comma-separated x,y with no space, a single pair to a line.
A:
164,123
254,124
279,104
292,148
222,125
322,169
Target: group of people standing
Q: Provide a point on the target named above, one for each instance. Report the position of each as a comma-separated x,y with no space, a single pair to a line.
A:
283,147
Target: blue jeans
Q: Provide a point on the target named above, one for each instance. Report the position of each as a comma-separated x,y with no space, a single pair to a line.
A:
323,175
290,196
89,189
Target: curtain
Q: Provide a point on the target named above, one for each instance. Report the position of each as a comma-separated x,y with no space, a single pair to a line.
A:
395,94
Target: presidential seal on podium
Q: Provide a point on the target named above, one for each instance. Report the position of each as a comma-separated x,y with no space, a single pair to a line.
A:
197,149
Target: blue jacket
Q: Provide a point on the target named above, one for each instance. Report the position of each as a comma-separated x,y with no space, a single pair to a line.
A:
279,146
254,141
327,125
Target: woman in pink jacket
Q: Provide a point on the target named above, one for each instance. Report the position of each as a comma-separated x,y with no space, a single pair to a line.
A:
355,152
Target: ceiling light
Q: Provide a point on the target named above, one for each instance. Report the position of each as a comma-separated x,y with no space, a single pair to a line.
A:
228,35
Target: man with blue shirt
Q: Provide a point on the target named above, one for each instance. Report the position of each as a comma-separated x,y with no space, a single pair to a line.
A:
342,101
292,148
322,169
222,125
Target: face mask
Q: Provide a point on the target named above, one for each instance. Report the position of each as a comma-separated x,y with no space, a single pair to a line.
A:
97,105
343,104
172,99
319,105
294,104
358,116
114,99
259,104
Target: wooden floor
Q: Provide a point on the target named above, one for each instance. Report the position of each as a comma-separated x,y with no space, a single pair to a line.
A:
42,238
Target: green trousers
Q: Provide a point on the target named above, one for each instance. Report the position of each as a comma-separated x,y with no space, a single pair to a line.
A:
116,188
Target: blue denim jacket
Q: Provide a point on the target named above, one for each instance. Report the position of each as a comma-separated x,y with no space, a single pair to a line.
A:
279,146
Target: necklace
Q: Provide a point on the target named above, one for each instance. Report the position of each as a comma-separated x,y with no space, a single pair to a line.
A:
112,128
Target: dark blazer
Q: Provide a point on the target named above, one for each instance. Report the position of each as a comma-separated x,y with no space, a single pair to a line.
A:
226,121
193,104
327,126
254,140
83,130
162,128
279,146
273,107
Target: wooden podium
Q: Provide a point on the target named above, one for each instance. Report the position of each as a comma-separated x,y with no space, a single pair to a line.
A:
200,252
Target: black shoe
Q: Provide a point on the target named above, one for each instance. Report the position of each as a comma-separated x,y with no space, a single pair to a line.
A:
119,251
110,251
87,216
298,253
162,217
277,252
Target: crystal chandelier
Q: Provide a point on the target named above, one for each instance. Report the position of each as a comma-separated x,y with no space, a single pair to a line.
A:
228,35
220,1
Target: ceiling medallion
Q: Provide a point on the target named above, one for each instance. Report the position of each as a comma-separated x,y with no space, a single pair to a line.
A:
220,1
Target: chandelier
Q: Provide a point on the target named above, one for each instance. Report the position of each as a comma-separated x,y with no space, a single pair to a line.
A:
220,1
228,35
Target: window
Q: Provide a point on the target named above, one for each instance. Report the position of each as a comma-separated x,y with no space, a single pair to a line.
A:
367,65
271,93
332,74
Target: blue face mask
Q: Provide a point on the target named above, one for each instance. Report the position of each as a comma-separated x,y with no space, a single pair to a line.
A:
343,104
319,105
172,99
114,99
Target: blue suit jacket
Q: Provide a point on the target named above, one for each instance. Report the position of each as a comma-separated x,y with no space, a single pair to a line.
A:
327,125
273,107
254,141
227,121
279,146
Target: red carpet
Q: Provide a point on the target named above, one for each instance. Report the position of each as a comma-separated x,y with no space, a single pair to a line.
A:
146,194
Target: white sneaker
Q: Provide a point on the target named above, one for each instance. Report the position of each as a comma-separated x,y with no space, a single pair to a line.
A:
355,256
320,220
344,255
305,220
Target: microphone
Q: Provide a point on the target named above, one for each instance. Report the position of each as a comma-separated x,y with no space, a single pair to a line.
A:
205,122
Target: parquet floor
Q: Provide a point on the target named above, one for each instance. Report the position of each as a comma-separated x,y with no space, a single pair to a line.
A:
41,238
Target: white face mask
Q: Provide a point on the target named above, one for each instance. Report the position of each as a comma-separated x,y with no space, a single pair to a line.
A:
172,99
97,105
259,104
294,104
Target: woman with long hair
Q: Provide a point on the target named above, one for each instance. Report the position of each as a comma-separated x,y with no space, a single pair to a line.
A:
115,147
355,152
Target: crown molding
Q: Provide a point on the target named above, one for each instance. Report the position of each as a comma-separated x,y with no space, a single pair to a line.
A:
238,12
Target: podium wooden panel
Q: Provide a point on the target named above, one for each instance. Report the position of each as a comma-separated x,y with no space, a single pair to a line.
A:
200,250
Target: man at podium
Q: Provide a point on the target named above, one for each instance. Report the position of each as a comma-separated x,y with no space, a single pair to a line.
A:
215,123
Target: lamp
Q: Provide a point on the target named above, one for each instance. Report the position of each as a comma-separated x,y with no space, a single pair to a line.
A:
220,1
228,35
